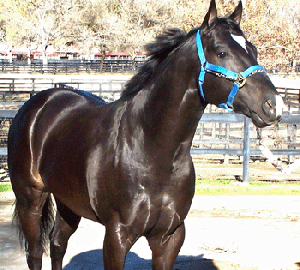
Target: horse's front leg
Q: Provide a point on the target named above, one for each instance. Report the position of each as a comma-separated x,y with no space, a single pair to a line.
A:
116,245
166,248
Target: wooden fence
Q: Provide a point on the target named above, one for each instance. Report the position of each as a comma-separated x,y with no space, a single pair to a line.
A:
95,67
71,66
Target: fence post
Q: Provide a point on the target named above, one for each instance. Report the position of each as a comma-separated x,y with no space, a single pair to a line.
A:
227,138
33,87
246,149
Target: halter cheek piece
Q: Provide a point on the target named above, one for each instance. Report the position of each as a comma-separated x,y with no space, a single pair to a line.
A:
239,79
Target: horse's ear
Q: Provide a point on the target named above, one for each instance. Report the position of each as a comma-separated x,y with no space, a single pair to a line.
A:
236,16
210,15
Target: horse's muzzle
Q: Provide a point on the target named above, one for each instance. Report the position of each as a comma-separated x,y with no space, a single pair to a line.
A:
273,108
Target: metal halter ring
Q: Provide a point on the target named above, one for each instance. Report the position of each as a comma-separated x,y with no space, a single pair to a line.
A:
241,81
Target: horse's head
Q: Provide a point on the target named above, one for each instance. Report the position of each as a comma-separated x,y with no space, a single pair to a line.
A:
229,75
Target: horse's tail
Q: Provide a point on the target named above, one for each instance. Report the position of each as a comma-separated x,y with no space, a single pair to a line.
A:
46,225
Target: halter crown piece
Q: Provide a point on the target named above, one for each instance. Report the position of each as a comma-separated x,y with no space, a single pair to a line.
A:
239,79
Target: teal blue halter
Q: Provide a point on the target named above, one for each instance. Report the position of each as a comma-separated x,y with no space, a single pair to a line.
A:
239,79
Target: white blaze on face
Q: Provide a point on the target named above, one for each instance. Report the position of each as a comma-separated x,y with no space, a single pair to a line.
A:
279,105
241,41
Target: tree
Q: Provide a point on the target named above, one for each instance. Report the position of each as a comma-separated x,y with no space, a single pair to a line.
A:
125,25
51,16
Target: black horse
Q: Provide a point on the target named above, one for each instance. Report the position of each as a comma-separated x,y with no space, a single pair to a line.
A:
127,164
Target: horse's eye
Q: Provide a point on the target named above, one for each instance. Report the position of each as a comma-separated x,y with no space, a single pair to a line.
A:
222,54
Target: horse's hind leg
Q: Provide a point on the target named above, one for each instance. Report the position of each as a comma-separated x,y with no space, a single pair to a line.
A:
30,208
66,223
166,248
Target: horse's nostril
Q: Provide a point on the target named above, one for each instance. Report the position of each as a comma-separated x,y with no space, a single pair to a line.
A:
269,107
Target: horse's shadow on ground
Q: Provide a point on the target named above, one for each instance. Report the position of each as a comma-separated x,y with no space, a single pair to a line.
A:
93,260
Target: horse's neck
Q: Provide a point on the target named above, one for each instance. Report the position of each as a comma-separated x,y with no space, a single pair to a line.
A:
173,107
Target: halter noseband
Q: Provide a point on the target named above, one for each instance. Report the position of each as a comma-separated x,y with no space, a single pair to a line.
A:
239,79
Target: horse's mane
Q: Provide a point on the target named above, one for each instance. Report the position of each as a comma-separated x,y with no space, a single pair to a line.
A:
157,51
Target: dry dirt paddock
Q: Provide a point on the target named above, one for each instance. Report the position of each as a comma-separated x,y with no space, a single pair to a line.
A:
225,232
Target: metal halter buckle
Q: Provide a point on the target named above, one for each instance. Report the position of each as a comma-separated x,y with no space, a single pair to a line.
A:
241,81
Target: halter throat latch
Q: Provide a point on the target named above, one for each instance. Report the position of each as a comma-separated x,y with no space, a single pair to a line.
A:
239,79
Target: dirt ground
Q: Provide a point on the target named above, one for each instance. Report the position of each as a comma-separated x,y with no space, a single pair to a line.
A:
213,167
222,232
225,233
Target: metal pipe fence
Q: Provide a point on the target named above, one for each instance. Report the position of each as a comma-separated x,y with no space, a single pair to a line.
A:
245,142
218,133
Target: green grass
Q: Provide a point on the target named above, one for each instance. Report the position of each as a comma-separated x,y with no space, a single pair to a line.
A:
229,187
5,187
